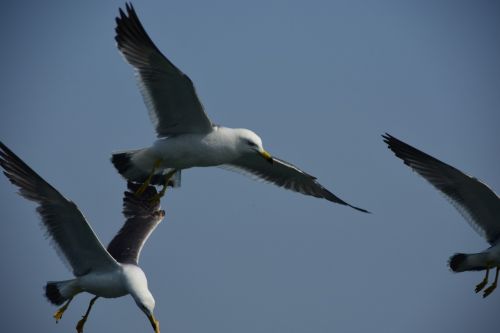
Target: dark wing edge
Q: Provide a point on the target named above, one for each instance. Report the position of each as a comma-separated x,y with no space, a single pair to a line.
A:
133,40
288,176
158,76
143,214
64,224
461,190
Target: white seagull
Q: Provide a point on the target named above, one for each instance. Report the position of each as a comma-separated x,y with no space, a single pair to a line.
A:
477,203
104,273
186,136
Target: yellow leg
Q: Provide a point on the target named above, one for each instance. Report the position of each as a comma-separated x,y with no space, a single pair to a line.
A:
59,313
493,286
145,185
160,194
483,283
81,322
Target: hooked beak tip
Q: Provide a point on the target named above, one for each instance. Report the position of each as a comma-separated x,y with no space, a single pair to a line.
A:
155,323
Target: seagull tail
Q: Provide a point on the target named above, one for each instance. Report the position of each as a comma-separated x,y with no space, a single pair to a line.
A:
124,164
456,262
460,262
57,292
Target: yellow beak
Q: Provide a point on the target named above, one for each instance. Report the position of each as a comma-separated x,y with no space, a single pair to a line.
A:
266,156
155,323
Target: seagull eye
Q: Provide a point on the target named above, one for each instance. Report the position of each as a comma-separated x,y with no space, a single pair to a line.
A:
251,143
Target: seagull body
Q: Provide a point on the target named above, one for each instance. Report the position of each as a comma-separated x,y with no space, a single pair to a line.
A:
219,146
104,273
477,203
186,136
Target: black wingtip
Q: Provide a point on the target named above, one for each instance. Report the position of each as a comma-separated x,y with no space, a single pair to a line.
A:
388,139
360,209
129,7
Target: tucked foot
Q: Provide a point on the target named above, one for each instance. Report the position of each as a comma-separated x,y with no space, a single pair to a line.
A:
156,198
142,188
493,286
481,285
489,290
145,185
159,195
59,313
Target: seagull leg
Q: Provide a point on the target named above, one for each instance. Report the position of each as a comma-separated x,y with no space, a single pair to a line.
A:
59,313
483,283
493,286
145,185
160,194
81,322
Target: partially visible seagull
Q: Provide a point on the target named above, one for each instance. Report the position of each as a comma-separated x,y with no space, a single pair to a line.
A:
104,273
477,203
186,136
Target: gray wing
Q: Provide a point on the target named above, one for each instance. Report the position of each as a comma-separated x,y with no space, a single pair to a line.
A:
284,174
169,94
72,236
143,214
477,203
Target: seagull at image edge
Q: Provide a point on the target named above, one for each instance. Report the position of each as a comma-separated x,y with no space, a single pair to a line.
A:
104,273
477,203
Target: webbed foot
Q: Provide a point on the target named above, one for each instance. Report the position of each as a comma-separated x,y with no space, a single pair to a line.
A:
59,313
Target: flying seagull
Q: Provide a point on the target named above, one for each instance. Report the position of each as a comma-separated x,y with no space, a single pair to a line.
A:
477,203
186,136
104,273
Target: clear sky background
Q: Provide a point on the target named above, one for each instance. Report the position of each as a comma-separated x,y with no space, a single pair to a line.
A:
319,81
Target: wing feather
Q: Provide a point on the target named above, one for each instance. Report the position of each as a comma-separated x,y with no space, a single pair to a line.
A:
169,94
286,175
474,200
143,214
63,222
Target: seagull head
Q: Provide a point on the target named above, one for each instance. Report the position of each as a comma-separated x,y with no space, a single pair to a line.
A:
251,142
138,288
146,303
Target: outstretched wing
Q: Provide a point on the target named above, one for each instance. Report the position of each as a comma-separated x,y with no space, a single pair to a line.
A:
143,214
477,203
64,223
169,94
285,175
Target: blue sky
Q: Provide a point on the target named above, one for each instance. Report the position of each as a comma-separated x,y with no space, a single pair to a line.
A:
319,81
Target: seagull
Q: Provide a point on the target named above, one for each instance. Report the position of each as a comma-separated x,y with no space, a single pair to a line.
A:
104,273
477,203
186,136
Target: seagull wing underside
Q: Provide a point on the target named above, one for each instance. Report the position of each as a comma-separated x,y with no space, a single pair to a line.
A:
169,94
477,203
286,175
72,236
143,214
